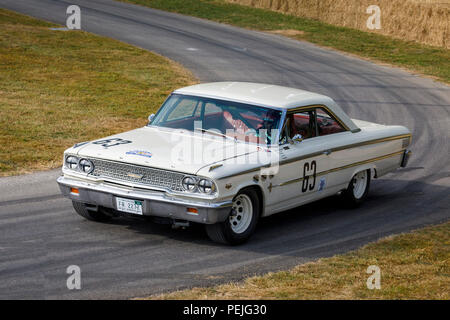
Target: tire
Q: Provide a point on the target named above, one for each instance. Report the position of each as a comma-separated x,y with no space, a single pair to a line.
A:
357,189
82,210
239,228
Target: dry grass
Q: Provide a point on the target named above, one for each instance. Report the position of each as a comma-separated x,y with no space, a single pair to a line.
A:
58,88
424,21
413,266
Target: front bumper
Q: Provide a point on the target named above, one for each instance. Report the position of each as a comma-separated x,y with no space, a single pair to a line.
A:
155,203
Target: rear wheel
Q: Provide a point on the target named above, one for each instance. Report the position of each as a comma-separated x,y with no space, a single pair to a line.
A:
241,224
83,211
357,189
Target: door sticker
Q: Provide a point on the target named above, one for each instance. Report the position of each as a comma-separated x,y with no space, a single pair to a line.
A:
309,176
322,184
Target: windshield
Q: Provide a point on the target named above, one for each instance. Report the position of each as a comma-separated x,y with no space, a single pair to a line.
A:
237,120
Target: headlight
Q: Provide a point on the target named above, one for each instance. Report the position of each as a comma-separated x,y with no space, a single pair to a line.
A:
189,184
86,166
72,162
206,186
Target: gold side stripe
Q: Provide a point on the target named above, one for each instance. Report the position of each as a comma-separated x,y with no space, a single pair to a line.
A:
350,146
315,154
342,168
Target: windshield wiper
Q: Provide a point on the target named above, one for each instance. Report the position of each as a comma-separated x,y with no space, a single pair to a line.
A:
215,133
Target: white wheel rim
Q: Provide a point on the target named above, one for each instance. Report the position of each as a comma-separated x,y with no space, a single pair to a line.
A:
243,208
359,184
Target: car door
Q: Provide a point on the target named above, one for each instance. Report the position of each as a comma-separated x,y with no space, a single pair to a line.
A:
330,128
304,161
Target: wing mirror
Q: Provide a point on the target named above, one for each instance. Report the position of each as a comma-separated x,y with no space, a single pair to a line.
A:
150,118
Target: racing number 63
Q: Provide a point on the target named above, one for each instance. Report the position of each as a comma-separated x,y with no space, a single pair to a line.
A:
309,171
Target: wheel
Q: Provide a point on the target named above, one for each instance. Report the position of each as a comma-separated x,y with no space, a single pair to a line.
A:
82,210
357,189
240,226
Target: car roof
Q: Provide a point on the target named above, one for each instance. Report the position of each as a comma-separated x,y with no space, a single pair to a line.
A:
256,93
267,95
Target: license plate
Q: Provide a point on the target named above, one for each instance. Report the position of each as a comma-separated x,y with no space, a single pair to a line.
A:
129,206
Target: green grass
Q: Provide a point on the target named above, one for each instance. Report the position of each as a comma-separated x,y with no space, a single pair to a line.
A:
428,60
58,88
415,265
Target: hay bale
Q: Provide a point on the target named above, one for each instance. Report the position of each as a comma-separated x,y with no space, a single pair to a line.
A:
424,21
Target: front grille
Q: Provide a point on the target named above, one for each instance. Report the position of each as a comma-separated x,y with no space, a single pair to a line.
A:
150,176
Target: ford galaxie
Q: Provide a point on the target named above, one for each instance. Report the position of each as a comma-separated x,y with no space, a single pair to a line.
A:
226,154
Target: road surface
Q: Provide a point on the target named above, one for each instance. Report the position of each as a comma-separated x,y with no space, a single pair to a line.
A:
40,235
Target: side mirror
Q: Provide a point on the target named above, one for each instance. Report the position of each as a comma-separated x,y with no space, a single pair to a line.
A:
150,118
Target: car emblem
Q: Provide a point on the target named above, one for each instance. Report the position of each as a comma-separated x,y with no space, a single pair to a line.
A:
135,175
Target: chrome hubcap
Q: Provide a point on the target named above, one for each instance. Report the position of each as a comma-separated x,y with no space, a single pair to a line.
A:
359,184
242,218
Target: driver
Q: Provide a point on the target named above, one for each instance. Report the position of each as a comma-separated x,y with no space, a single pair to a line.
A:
269,123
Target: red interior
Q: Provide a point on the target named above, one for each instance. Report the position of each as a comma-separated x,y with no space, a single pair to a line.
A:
332,126
300,125
224,121
221,121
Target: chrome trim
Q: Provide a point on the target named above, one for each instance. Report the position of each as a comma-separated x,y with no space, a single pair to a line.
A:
153,177
135,185
211,168
141,194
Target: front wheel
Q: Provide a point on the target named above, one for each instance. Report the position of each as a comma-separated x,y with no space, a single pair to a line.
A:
241,224
357,189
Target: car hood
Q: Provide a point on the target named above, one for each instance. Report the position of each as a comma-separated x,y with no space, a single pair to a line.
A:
163,148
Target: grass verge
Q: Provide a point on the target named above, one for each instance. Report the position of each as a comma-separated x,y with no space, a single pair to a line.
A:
415,265
58,88
427,60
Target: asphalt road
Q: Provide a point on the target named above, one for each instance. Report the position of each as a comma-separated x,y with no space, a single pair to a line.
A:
40,235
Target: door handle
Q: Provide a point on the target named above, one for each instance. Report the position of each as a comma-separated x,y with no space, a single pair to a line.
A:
327,152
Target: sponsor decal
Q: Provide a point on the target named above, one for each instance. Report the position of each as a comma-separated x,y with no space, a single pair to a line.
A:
140,153
322,184
108,143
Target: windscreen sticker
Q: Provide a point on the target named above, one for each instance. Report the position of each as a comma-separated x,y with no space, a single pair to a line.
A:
140,153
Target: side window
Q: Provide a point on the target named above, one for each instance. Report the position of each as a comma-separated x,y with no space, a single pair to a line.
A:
302,125
326,124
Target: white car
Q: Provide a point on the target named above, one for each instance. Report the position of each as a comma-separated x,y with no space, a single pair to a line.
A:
225,154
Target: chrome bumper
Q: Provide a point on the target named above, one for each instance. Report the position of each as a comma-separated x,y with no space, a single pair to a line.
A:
155,203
